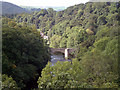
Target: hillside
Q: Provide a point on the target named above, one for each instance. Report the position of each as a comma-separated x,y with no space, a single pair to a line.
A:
90,17
9,8
92,29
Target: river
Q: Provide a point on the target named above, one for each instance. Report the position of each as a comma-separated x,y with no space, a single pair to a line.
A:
57,57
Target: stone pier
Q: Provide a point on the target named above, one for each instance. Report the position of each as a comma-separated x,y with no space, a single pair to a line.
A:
66,53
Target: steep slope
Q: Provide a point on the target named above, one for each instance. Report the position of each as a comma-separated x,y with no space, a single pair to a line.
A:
72,24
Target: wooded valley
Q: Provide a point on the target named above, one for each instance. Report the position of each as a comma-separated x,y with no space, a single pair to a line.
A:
91,28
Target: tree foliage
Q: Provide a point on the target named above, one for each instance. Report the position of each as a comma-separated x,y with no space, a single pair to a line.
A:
8,83
24,54
91,28
96,40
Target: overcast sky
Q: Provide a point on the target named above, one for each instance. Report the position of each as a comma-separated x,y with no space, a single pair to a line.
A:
43,3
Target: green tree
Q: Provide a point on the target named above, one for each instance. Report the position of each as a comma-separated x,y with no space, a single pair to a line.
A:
8,83
63,42
62,75
102,20
55,41
101,44
24,54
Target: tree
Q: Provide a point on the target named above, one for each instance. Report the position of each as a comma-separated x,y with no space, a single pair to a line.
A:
62,75
63,42
9,83
102,20
101,69
24,55
55,41
70,41
101,44
12,23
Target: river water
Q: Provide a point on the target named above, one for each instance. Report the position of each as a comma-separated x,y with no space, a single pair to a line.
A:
57,57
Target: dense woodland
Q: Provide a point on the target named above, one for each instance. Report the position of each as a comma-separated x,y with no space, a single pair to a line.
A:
24,55
91,28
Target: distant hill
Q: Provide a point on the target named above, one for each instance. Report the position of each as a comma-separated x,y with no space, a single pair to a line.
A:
9,8
38,8
31,8
59,8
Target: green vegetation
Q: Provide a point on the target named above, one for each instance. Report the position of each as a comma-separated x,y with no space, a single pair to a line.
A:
91,28
8,83
24,54
68,24
95,35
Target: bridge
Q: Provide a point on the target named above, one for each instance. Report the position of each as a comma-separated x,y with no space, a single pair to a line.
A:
65,51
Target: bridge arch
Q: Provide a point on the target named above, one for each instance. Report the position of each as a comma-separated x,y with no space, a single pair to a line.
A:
58,52
66,51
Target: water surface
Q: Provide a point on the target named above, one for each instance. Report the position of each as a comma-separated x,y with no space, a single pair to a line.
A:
57,57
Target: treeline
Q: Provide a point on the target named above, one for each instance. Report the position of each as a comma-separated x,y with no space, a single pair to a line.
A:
91,28
24,56
73,23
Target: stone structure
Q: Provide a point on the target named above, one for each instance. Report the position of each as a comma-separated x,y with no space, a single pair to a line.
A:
66,51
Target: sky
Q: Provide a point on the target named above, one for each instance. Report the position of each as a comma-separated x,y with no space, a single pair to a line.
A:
44,3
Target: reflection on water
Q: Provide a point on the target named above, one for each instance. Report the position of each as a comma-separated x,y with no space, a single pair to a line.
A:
57,57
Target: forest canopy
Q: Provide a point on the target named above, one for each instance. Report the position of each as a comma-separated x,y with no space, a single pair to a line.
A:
24,53
91,28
